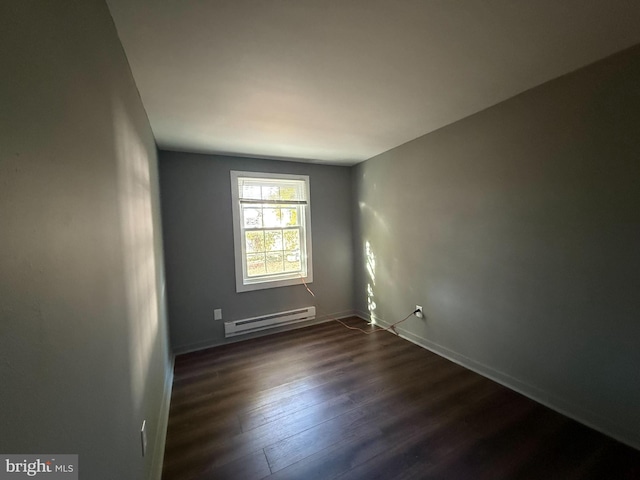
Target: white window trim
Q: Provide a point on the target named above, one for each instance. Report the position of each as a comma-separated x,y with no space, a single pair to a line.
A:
238,240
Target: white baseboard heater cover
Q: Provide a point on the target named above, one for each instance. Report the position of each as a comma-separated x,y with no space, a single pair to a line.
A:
255,324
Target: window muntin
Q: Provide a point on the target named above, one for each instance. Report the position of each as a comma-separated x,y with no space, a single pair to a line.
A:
272,229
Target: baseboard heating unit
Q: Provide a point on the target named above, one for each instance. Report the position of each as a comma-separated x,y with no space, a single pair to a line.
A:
255,324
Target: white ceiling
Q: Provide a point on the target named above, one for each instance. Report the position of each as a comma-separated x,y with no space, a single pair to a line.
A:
340,81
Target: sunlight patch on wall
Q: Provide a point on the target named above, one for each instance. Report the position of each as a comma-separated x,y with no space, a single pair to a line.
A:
137,233
373,214
370,260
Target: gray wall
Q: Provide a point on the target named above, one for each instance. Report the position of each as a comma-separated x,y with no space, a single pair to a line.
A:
83,338
518,230
196,210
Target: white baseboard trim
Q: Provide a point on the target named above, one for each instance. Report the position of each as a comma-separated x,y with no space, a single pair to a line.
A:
194,347
568,409
163,423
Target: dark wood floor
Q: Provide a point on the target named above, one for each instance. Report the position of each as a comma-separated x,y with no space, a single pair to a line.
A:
326,402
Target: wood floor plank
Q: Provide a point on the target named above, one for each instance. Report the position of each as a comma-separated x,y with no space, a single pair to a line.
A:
242,444
351,425
250,467
325,402
396,425
335,459
345,381
249,380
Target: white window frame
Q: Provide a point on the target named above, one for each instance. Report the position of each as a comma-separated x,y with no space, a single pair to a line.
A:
244,283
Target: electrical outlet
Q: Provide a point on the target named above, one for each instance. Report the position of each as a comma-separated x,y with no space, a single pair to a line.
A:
419,313
217,314
143,437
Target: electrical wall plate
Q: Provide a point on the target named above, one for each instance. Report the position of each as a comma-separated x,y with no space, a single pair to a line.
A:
419,313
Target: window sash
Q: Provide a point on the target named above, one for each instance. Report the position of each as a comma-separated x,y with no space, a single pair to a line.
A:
300,251
252,265
273,202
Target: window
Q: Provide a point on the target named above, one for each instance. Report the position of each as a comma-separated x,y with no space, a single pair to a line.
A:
272,230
